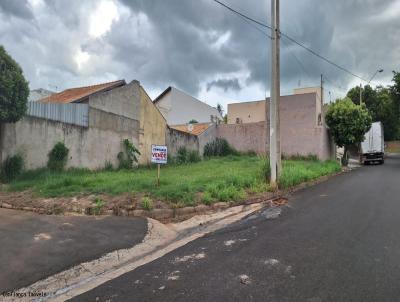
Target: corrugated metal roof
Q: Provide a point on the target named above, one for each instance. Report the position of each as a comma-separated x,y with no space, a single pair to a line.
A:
76,95
195,129
76,114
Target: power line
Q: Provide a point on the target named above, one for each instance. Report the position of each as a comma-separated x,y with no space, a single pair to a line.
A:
292,40
243,15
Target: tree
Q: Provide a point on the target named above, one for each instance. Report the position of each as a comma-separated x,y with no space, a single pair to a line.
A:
368,94
395,93
193,121
348,123
383,103
14,89
225,119
220,109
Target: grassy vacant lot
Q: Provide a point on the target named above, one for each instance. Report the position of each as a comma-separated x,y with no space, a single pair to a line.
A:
217,179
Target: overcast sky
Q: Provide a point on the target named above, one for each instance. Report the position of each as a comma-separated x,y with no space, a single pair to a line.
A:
197,45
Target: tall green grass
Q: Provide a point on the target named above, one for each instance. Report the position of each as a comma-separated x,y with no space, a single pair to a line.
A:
217,179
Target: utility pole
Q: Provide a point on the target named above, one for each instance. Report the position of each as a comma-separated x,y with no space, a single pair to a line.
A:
274,132
360,93
322,91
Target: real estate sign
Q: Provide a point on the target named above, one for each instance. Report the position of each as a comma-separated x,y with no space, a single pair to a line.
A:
159,154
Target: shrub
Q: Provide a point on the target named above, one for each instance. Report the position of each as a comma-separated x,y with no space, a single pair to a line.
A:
193,156
147,203
58,157
12,167
218,147
127,159
184,156
108,166
181,157
98,206
309,157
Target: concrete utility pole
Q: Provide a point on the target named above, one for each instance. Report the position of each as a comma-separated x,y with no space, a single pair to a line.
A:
274,141
360,93
322,91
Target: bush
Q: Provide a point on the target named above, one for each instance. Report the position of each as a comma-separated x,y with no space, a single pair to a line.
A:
58,157
218,147
98,206
184,156
12,167
147,203
309,157
108,166
127,159
181,157
193,156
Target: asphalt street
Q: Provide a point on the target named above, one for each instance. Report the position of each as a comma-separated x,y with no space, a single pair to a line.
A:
336,241
33,246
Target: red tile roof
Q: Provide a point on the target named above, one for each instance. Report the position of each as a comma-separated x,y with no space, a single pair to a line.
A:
198,128
79,94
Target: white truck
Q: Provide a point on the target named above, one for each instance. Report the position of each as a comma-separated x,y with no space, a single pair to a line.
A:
373,146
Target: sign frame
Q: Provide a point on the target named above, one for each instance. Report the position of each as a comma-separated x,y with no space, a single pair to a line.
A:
159,154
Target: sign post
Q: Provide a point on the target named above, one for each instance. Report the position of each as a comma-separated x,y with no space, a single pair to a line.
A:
159,155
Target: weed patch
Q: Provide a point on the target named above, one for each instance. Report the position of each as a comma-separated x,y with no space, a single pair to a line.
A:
228,178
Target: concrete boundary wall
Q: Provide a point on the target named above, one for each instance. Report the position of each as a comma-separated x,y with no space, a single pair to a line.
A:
176,139
89,147
294,141
255,137
112,117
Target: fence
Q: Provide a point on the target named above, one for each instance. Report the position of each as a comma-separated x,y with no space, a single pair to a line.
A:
76,114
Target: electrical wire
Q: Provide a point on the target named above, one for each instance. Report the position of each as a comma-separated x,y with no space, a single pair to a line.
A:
291,40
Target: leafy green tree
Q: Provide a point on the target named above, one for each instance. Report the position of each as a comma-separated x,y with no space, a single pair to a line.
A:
368,95
225,119
347,123
395,93
383,103
14,89
193,121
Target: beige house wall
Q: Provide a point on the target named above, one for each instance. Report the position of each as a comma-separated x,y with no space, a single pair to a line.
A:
246,112
253,112
152,127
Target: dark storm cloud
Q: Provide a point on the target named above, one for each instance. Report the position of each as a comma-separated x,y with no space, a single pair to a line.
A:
225,84
197,45
20,9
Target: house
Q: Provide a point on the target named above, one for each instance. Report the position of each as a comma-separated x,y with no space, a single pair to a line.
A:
92,122
302,130
254,111
37,94
191,136
179,108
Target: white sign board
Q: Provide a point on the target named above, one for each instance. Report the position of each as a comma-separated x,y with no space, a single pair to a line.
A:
159,154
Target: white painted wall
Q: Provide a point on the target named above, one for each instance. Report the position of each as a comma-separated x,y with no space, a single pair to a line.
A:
179,108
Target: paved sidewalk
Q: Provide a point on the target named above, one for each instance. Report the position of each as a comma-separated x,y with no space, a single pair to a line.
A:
33,246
